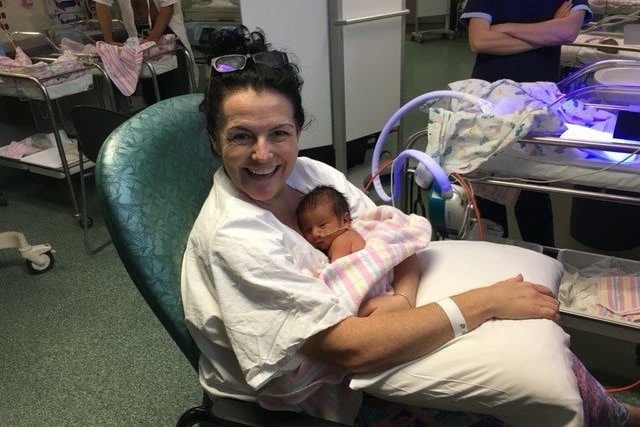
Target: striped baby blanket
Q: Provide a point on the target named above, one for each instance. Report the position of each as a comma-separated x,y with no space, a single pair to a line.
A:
391,236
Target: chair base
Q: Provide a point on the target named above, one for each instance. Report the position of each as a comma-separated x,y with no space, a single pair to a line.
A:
195,416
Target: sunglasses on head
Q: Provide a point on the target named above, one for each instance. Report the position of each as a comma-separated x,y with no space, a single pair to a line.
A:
237,62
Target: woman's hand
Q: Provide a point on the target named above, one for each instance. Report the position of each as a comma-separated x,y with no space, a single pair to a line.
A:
383,303
518,299
564,10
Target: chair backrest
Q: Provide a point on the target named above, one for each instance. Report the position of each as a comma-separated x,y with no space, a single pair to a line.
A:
93,125
153,175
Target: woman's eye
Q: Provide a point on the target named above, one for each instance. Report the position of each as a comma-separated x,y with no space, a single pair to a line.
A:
239,138
279,135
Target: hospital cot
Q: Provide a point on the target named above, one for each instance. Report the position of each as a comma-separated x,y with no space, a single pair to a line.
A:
78,36
44,85
551,164
604,37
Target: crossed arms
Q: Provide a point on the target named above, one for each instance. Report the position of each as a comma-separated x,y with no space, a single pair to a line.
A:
511,38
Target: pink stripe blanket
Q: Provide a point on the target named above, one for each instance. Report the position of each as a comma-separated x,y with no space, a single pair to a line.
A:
391,236
619,297
123,63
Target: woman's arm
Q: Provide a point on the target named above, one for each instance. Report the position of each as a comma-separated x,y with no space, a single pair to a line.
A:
165,13
553,32
511,38
484,39
374,343
103,13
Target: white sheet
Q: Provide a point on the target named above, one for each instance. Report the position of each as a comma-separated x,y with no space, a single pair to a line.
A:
578,56
611,7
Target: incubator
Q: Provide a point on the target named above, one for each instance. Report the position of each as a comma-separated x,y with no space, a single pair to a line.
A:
579,137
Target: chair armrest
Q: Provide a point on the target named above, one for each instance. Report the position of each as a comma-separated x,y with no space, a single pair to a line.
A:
238,413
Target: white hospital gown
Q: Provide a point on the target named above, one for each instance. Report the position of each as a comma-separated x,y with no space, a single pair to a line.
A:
250,300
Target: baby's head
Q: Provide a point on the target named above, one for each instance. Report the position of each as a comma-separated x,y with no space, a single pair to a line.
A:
322,214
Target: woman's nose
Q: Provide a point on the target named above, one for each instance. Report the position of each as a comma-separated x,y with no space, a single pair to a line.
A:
261,149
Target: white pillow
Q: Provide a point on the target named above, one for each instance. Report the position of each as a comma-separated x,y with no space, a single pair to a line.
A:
516,370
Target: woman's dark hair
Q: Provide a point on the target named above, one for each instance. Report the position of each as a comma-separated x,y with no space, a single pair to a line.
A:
324,194
284,80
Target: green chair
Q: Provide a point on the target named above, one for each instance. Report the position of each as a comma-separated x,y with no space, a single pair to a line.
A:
152,176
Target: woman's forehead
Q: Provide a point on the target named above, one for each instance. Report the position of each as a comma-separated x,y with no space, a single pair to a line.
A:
248,107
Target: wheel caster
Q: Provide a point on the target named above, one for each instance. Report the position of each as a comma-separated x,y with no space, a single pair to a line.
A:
89,222
47,264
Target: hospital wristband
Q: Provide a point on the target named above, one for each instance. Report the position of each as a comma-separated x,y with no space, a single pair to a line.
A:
455,316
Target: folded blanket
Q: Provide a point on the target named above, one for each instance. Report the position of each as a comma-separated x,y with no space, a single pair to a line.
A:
619,297
391,236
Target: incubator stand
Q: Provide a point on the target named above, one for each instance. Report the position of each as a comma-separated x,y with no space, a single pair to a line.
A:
48,90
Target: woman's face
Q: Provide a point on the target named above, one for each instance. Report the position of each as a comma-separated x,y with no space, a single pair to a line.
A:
258,142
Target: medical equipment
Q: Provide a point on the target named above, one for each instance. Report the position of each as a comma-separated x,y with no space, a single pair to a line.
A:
432,8
38,258
449,206
567,154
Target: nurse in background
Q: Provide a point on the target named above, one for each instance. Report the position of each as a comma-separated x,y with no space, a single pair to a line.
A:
521,41
148,20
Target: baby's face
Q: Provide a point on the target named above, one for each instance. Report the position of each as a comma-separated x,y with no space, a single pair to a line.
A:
320,226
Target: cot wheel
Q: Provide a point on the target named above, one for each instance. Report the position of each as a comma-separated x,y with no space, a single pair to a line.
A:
34,268
89,222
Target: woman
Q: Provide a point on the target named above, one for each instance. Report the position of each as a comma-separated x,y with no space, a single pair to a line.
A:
267,330
521,41
149,20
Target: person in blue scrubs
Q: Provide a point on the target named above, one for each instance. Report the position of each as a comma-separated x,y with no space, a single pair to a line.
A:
521,41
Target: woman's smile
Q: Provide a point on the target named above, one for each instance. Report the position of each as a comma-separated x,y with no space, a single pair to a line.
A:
262,173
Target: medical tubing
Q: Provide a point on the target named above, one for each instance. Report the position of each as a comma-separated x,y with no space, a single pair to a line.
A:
438,173
485,106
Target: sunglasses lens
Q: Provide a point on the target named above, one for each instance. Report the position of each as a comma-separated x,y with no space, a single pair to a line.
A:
229,63
271,59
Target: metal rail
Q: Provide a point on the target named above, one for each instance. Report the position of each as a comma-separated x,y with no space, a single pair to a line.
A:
351,21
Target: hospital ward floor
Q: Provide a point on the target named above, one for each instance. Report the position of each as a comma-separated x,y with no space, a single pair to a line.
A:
78,345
